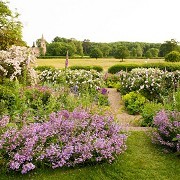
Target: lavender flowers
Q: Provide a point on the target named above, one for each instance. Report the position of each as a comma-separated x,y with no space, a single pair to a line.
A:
67,139
167,131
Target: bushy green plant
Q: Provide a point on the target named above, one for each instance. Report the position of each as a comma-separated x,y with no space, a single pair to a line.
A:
173,56
112,81
149,111
134,102
7,100
88,68
128,67
172,101
43,68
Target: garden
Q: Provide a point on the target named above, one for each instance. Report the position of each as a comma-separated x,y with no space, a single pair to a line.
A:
58,122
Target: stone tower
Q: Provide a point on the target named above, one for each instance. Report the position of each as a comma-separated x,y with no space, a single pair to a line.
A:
43,46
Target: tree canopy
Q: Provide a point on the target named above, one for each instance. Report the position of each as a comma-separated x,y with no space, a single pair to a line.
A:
10,27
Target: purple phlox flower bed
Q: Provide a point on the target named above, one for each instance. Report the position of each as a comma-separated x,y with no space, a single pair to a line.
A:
167,133
67,139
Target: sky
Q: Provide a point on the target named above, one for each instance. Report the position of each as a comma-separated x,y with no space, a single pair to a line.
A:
99,20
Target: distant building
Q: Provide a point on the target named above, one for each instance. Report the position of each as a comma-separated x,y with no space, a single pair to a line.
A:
40,48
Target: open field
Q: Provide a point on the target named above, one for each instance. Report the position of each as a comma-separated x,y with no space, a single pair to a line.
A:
105,63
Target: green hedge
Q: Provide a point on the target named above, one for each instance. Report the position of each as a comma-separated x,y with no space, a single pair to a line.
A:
97,68
43,68
63,57
128,67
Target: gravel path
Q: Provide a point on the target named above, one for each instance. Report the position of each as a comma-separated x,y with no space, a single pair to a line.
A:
126,120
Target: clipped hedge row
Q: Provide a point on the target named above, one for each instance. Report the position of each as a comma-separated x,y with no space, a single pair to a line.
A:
63,57
43,68
97,68
128,67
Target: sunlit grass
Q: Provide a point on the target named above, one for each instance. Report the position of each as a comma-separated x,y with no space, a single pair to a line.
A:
141,161
104,62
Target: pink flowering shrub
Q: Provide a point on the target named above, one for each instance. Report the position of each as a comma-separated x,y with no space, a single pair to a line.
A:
67,139
167,133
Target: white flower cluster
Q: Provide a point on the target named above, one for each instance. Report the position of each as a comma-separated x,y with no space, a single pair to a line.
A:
14,60
82,79
152,80
51,76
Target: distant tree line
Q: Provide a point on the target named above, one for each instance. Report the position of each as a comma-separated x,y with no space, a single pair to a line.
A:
11,34
120,50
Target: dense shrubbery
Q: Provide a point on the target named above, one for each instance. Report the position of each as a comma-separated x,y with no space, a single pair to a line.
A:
16,63
128,67
78,79
173,56
152,83
167,129
149,111
134,102
88,68
43,68
66,139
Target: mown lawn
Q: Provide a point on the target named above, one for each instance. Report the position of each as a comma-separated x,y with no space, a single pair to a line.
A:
104,62
141,161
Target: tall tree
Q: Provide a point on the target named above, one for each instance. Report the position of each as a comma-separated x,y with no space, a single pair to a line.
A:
121,52
168,46
10,27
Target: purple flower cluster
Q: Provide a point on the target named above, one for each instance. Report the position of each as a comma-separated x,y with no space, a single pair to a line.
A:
167,133
67,139
4,121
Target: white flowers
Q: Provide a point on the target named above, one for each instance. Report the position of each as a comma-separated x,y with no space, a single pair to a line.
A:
15,60
82,78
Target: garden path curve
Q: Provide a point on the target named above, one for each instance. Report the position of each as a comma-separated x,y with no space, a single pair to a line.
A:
127,121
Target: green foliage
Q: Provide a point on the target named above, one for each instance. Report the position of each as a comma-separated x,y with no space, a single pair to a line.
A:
88,68
43,68
60,49
128,67
125,67
149,111
172,101
121,52
112,81
10,28
96,53
7,99
173,56
167,47
134,102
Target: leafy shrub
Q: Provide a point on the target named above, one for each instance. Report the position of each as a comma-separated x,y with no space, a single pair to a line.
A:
149,111
43,68
128,67
82,79
112,81
173,56
167,129
87,68
172,101
134,102
124,67
16,63
7,100
152,83
66,139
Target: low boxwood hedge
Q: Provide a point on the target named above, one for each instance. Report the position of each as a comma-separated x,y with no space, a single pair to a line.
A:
128,67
